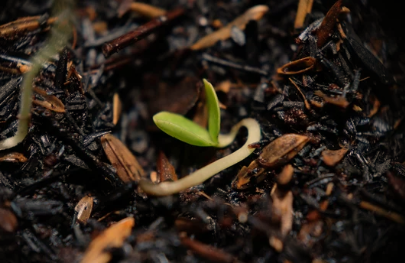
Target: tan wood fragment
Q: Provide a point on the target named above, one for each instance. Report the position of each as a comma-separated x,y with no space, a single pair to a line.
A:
128,168
254,13
112,237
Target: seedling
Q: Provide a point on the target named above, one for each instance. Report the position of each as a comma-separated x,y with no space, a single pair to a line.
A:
189,132
59,37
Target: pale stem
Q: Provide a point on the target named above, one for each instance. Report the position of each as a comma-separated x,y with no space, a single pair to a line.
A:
58,39
199,176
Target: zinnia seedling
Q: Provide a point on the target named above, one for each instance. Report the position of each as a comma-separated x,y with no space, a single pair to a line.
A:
189,132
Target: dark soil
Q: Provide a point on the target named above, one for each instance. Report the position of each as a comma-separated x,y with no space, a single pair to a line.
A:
353,100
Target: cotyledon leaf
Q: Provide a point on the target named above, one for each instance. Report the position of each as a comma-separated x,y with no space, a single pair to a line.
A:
214,114
183,129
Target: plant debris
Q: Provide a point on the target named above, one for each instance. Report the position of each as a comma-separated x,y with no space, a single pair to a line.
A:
325,80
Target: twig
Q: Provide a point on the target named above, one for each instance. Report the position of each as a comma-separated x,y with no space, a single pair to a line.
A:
140,32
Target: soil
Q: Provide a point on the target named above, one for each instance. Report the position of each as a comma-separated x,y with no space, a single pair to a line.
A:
325,184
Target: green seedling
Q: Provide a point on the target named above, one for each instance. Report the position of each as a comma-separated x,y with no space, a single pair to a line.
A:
189,132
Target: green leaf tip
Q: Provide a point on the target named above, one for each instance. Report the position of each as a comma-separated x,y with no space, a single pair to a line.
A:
183,129
214,114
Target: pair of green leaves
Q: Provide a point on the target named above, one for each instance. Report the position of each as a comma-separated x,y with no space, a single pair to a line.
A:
188,131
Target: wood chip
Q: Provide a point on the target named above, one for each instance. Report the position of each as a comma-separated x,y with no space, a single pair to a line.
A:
50,102
286,175
283,210
304,8
282,149
84,208
128,168
112,237
297,66
13,157
117,108
165,169
146,10
254,13
333,157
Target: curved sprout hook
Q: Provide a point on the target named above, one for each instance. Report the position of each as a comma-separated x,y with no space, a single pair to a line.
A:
199,176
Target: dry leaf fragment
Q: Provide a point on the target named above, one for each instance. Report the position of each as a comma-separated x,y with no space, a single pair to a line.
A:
283,210
50,102
333,157
84,208
128,168
112,237
282,149
13,157
304,8
254,13
297,66
165,169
